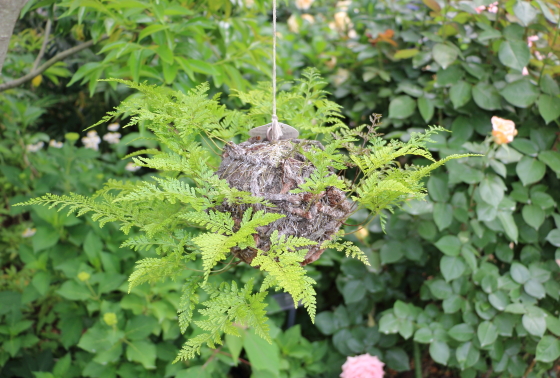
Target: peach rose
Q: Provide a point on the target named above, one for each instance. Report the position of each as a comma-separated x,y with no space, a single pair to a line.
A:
503,130
304,4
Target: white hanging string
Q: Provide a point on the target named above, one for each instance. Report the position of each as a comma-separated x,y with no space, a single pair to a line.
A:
275,130
273,59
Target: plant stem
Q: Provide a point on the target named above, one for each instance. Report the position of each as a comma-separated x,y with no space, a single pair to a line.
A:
417,361
530,368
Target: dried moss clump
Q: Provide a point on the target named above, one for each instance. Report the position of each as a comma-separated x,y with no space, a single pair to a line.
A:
271,171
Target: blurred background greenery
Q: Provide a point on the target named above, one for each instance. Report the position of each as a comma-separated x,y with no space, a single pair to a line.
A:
465,284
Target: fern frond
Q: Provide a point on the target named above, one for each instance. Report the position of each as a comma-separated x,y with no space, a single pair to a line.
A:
282,263
227,305
212,220
214,248
103,211
153,270
350,249
189,301
171,190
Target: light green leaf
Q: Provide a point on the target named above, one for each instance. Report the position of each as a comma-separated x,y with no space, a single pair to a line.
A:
519,273
524,12
405,54
149,30
423,335
263,355
444,54
235,345
509,225
553,237
548,349
143,352
426,107
389,324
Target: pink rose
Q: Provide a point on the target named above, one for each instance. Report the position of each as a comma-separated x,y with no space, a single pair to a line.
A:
363,366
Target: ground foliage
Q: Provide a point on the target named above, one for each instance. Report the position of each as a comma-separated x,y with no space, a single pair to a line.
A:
416,63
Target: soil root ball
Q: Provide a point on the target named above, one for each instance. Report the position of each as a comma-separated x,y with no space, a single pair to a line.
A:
271,171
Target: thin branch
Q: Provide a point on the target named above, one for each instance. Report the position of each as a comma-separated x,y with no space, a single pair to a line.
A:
43,46
57,58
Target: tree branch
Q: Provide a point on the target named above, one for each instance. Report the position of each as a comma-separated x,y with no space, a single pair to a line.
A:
57,58
43,46
9,13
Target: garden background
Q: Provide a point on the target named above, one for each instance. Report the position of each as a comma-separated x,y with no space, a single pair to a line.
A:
463,284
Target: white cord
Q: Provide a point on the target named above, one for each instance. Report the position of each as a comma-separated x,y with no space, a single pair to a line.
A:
274,58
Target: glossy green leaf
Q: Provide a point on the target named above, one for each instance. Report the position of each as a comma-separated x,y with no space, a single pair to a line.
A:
514,54
553,237
534,324
521,93
530,170
549,107
461,332
402,107
449,245
487,333
534,288
486,96
460,93
467,355
74,291
548,349
452,267
140,327
443,215
552,159
439,351
533,215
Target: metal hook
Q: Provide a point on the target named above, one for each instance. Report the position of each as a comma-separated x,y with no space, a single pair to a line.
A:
274,131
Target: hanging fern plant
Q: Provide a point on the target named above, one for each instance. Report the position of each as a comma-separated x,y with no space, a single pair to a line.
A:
193,211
